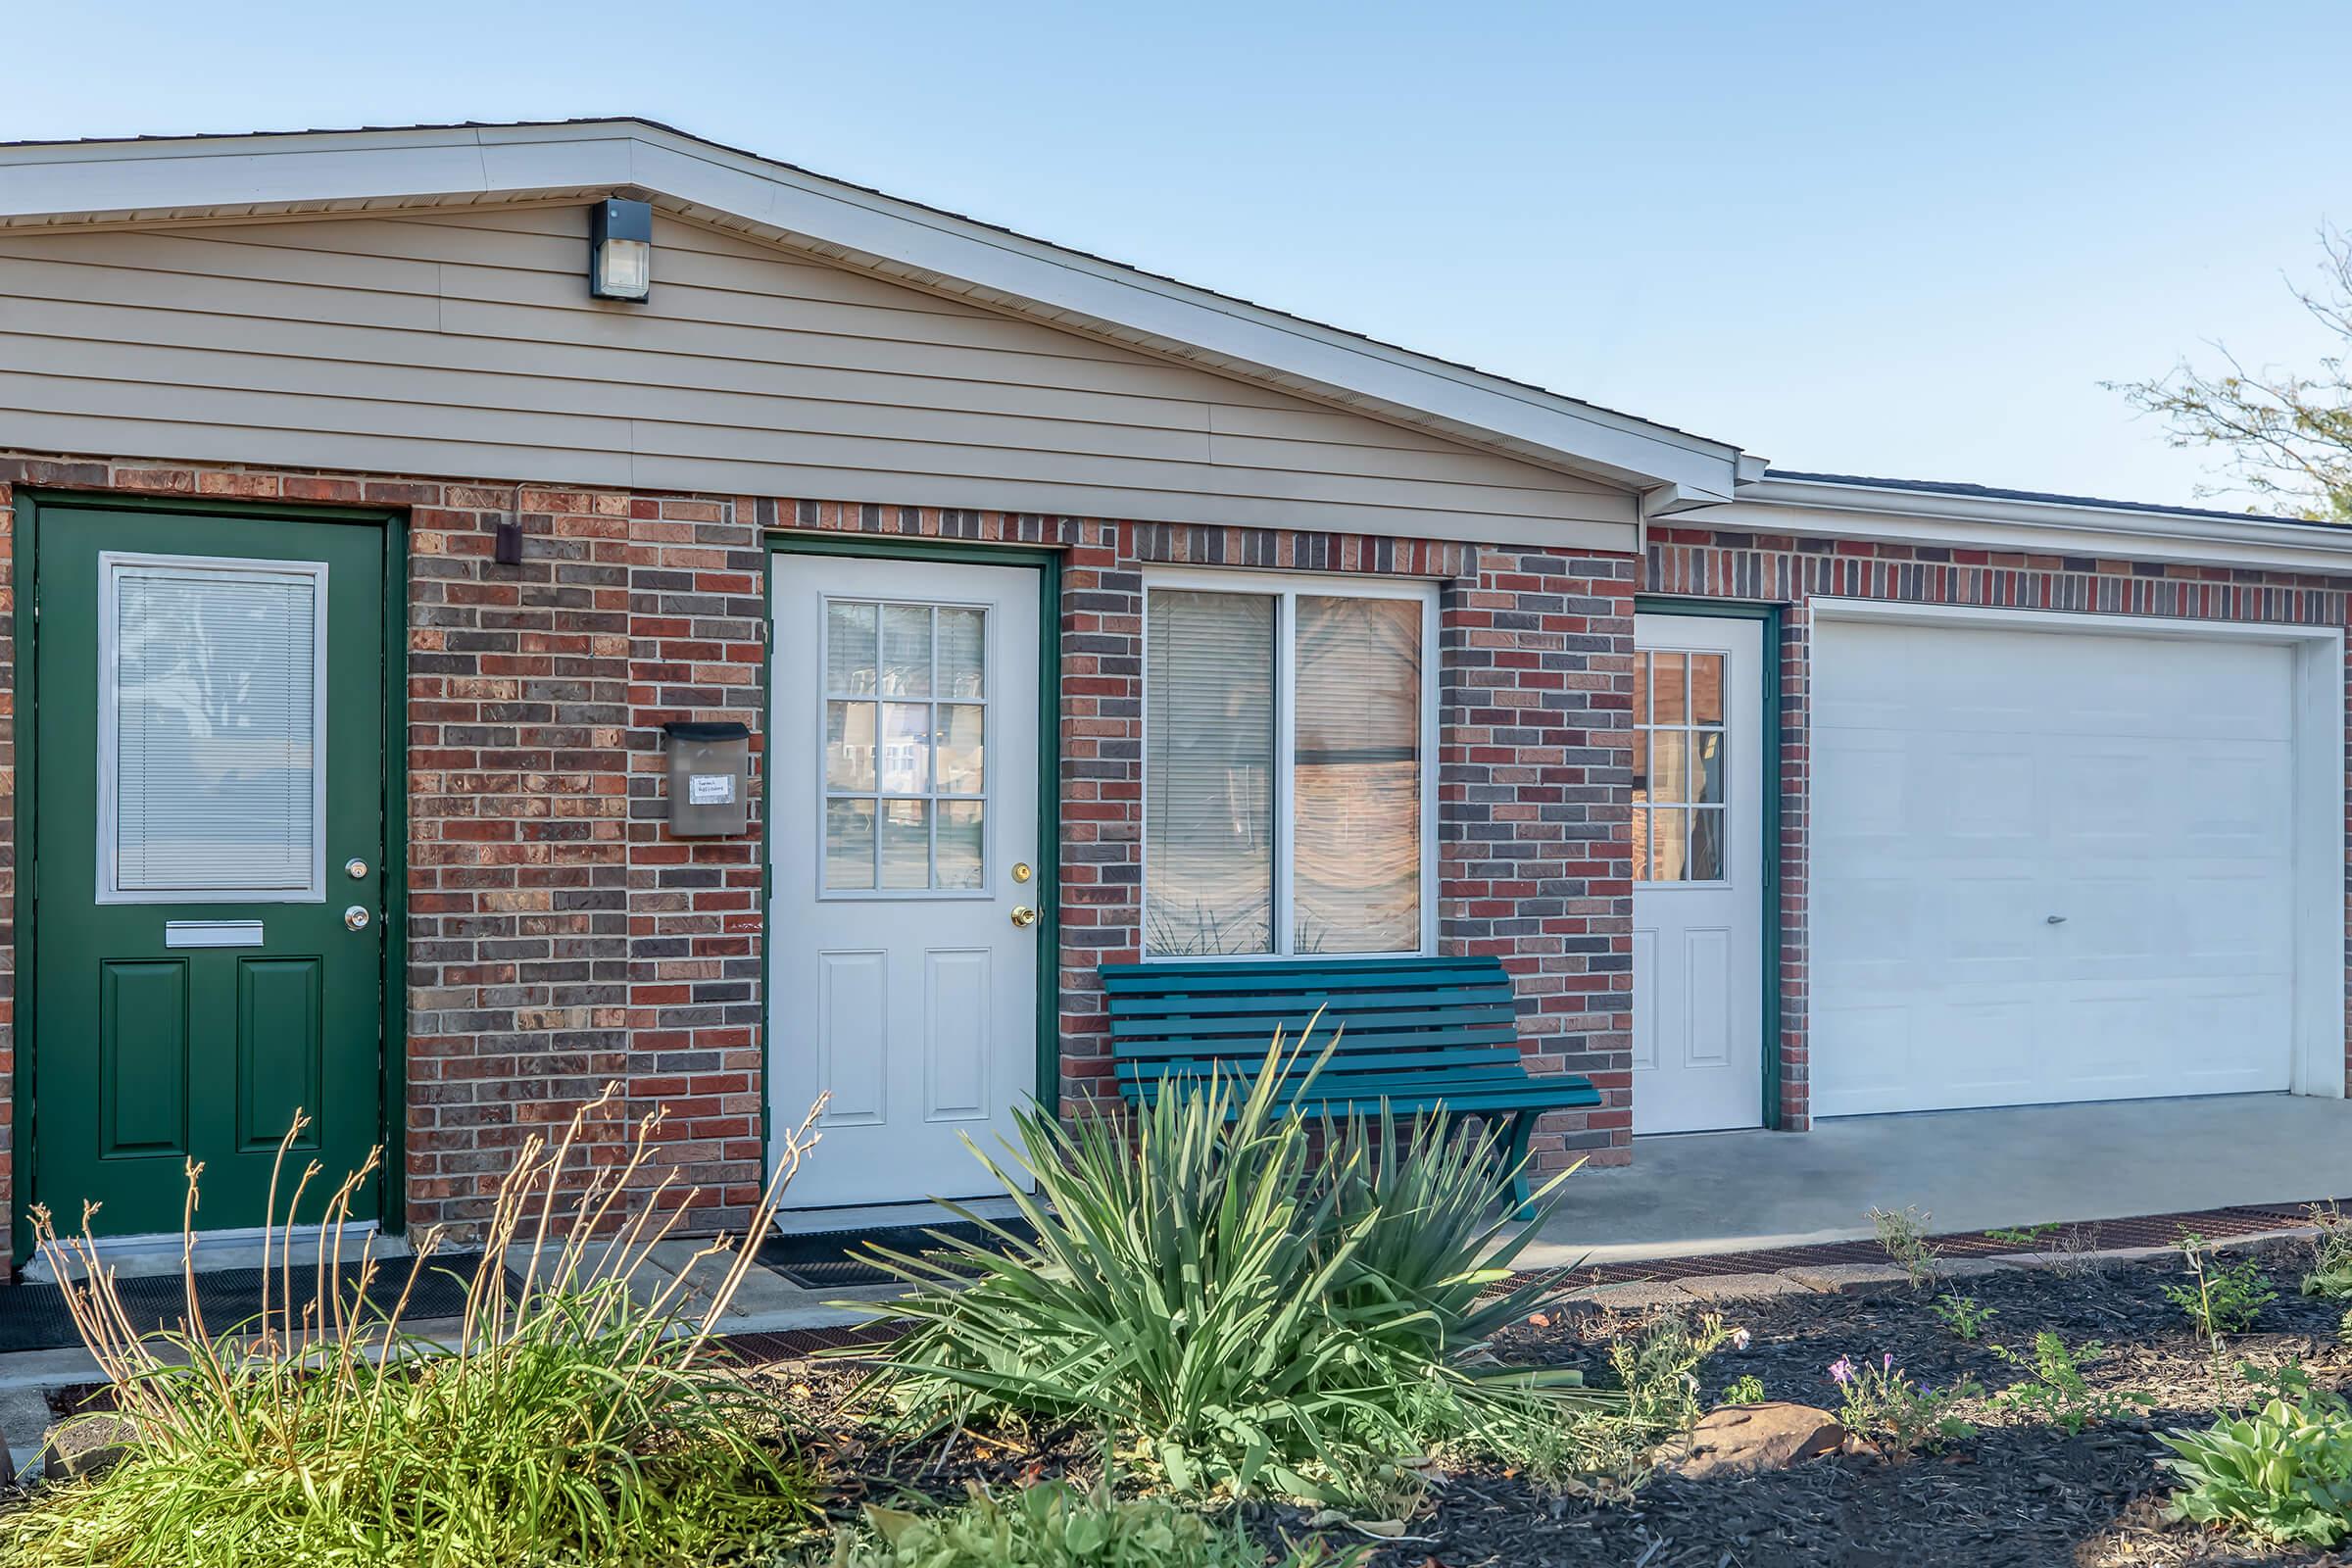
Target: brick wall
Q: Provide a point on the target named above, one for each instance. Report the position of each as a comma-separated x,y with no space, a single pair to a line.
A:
1537,672
1775,568
559,938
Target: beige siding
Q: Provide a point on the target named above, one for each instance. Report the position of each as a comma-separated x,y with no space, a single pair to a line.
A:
465,344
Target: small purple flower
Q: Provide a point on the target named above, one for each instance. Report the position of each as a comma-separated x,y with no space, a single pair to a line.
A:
1887,1364
1842,1371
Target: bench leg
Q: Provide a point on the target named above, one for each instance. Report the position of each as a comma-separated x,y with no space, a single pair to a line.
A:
1523,1131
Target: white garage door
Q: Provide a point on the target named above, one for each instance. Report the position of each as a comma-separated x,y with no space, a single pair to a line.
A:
2047,866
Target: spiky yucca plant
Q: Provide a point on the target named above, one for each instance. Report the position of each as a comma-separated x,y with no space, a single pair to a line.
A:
1241,1312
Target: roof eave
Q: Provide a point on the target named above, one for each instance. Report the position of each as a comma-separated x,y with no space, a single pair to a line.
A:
202,178
1819,510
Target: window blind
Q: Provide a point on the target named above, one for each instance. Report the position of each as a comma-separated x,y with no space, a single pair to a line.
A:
1207,770
1355,838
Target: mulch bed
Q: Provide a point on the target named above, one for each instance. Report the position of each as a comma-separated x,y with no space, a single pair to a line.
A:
2018,1494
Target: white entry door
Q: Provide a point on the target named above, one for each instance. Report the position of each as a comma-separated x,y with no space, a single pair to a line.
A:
1699,873
905,771
2048,866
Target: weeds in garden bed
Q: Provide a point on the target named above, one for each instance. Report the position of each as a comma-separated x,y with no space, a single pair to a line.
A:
2331,1272
1903,1237
1243,1312
1962,1314
1056,1525
2055,1390
575,1420
2220,1300
1882,1405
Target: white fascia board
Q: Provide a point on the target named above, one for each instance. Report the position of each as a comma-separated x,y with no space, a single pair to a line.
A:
147,181
2026,527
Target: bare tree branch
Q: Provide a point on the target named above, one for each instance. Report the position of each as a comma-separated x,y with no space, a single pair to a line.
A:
2287,437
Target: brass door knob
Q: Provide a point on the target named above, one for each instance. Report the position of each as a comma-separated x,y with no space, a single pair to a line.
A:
1023,916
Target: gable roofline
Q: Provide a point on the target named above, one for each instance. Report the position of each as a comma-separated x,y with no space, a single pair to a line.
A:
265,174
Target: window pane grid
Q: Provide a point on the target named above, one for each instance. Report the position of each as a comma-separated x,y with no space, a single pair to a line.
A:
1680,752
1285,772
905,714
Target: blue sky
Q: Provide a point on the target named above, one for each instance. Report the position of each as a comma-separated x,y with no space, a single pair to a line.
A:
1865,239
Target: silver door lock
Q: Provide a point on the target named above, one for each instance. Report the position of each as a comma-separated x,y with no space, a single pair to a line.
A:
355,869
355,918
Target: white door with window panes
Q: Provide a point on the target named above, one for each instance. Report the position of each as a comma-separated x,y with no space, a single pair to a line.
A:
1289,731
1698,868
903,961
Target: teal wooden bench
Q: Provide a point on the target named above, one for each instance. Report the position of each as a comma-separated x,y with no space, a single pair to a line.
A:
1414,1034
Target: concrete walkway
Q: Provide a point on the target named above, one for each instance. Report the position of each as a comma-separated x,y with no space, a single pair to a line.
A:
1707,1192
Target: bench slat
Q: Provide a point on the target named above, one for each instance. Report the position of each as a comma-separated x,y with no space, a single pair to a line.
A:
1151,982
1344,1004
1410,1034
1536,1093
1263,1024
1458,1066
1275,968
1245,1048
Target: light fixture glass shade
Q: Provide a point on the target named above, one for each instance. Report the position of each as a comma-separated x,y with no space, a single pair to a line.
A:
624,269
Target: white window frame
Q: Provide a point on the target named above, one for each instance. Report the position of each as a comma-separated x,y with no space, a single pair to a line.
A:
1285,589
986,701
113,567
1691,729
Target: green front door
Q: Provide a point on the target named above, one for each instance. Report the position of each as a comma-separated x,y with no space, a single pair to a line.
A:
208,843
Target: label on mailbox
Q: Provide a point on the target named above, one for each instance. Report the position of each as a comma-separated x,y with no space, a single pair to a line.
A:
709,789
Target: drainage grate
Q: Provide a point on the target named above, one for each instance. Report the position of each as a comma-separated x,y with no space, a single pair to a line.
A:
831,1259
792,1344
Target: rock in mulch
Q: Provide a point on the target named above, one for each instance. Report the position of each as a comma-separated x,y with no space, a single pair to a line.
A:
1741,1439
86,1446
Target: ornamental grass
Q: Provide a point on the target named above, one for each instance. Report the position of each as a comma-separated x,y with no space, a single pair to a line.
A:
577,1417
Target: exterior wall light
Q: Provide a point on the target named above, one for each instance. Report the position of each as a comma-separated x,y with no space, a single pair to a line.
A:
621,251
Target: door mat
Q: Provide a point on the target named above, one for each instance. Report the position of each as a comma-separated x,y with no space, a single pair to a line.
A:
33,1316
827,1261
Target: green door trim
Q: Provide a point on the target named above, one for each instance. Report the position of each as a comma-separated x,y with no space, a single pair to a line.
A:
1047,561
1776,737
25,546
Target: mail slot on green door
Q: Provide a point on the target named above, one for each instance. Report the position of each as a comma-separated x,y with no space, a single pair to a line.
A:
709,779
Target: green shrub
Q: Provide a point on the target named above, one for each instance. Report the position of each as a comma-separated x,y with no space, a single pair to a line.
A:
579,1421
1237,1309
1055,1525
2282,1470
2057,1392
